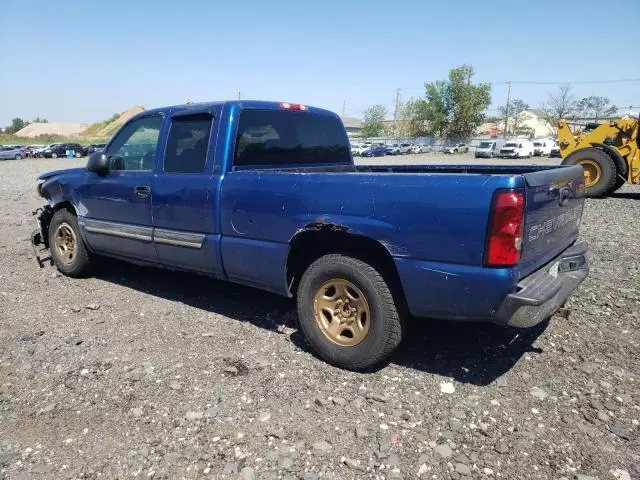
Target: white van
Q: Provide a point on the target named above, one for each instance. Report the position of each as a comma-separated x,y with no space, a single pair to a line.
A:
489,148
542,147
517,149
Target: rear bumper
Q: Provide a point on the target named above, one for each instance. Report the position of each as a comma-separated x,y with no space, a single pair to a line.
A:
540,294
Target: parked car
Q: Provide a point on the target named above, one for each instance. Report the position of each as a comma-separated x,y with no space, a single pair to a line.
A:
60,150
489,148
517,149
542,147
377,151
32,149
404,148
357,246
8,152
555,151
458,148
420,148
392,148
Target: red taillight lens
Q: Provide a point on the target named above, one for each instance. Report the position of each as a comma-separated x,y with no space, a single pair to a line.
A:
505,229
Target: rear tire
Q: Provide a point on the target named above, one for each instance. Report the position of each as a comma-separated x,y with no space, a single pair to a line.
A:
54,155
18,157
600,170
68,251
321,312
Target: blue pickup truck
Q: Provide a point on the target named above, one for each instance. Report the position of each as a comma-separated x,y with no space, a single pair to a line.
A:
267,195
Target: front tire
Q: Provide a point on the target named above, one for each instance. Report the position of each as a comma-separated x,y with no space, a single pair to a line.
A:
599,170
18,157
68,251
78,154
54,155
347,312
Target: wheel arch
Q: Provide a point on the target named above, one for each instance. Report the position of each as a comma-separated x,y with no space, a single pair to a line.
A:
314,242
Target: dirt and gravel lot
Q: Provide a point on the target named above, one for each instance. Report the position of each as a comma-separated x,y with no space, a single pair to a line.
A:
142,373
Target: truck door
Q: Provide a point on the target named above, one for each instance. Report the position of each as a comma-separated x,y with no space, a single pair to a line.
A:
116,207
185,192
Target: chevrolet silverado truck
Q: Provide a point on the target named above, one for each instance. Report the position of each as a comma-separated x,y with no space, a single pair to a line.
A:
267,195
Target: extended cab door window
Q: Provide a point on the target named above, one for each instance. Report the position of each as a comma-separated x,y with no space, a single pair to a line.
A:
188,144
134,147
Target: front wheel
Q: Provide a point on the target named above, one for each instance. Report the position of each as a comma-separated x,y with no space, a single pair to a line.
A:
599,170
18,157
78,154
54,155
347,312
67,248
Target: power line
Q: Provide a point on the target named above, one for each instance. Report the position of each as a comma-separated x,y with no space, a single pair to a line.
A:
579,82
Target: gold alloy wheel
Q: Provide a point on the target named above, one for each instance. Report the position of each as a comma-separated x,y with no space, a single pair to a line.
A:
66,243
592,172
342,312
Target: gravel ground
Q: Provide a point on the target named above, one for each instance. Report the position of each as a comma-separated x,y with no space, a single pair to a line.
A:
142,373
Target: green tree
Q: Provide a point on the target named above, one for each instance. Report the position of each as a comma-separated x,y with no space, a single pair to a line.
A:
17,124
413,119
595,107
453,107
40,120
373,121
514,116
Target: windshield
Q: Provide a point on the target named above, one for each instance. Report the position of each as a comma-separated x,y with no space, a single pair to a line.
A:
537,144
486,144
510,144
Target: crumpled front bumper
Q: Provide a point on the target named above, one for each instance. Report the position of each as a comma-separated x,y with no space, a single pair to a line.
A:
540,294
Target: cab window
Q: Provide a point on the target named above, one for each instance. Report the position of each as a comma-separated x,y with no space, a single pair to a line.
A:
134,147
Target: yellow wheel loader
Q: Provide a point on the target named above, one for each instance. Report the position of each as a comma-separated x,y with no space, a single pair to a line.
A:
609,154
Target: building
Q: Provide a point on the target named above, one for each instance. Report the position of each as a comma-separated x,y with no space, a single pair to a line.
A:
352,124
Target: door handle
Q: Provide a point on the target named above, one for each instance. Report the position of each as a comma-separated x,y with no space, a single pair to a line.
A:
142,191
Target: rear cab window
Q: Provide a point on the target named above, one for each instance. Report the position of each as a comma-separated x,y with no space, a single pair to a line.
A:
287,138
187,143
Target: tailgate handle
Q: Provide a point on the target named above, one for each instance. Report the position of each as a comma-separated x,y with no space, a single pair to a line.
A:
565,195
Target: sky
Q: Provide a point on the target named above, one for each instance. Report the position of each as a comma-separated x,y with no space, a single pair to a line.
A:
82,61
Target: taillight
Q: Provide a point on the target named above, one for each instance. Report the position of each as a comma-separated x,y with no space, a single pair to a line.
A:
506,224
293,106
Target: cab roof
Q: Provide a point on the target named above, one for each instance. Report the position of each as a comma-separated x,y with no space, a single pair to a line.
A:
241,104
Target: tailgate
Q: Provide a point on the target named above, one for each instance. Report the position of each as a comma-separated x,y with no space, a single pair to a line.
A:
554,201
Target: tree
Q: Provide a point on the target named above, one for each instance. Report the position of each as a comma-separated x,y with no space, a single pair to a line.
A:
40,120
561,104
513,114
453,107
373,121
413,119
17,124
595,107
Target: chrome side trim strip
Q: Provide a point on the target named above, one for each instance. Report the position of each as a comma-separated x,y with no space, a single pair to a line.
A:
180,239
118,230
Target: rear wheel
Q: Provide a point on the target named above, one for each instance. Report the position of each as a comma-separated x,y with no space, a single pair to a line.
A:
347,312
67,248
18,157
599,170
54,155
78,154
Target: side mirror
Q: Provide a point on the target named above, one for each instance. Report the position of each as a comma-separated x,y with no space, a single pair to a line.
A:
98,163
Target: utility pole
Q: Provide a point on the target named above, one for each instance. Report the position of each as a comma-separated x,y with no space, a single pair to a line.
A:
238,94
344,107
395,113
506,116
